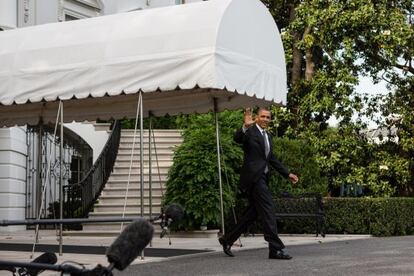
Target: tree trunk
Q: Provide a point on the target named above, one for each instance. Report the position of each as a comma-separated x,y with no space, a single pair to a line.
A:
296,53
310,63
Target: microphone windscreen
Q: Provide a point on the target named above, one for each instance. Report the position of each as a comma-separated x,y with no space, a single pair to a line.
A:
45,258
129,244
8,268
174,211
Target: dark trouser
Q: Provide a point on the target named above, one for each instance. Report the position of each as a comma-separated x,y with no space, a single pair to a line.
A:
260,203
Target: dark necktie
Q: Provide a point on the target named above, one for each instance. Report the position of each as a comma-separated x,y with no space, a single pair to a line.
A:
266,143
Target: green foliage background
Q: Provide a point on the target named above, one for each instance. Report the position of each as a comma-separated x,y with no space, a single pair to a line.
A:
193,178
328,46
374,216
300,158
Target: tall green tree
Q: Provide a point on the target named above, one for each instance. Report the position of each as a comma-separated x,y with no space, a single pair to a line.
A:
328,45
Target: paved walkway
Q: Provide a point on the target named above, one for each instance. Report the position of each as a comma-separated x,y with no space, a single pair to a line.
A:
90,260
363,257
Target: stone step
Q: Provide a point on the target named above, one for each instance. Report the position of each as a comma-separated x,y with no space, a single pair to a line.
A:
135,165
131,194
135,184
131,201
167,151
160,132
120,213
132,191
135,177
158,140
126,157
105,207
126,170
159,146
125,163
103,200
112,199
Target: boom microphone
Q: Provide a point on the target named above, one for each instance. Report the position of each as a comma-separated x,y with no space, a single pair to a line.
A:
174,212
7,267
45,258
130,243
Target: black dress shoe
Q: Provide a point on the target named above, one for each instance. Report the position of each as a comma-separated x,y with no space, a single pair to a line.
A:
226,247
279,255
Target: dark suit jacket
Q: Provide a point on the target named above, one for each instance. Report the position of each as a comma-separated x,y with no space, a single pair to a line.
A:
255,161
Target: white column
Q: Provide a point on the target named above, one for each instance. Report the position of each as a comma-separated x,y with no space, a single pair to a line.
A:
13,152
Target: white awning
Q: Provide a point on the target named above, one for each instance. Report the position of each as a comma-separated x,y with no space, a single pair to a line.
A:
181,57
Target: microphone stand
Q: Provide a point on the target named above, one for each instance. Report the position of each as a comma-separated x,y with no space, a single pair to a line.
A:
166,230
164,223
65,268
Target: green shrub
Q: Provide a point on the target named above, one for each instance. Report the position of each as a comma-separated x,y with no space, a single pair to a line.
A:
375,216
392,216
193,178
299,157
347,215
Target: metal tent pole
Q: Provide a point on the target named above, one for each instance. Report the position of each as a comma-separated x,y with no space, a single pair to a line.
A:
141,160
219,165
45,183
150,168
131,162
61,180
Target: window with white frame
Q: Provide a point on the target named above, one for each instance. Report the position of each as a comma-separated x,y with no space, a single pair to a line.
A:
78,9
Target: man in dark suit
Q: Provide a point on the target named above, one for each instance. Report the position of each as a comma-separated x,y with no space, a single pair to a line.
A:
254,179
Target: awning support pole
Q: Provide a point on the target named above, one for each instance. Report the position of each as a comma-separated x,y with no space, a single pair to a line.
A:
219,165
130,163
61,181
150,168
46,182
141,146
141,159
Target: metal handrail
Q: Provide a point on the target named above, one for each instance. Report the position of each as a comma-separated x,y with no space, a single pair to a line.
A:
79,198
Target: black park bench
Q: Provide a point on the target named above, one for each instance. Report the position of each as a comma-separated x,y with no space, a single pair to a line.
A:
307,205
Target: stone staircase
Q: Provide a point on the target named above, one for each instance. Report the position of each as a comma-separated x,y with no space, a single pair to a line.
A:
112,198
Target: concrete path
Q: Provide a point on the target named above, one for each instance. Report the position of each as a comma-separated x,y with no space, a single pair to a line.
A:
208,244
371,256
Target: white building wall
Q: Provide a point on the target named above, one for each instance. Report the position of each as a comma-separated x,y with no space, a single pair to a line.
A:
36,12
13,147
95,139
8,14
112,6
46,12
13,152
162,3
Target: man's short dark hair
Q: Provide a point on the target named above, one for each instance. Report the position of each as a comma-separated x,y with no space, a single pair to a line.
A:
263,109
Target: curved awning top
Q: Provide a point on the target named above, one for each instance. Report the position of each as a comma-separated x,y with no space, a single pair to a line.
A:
181,57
